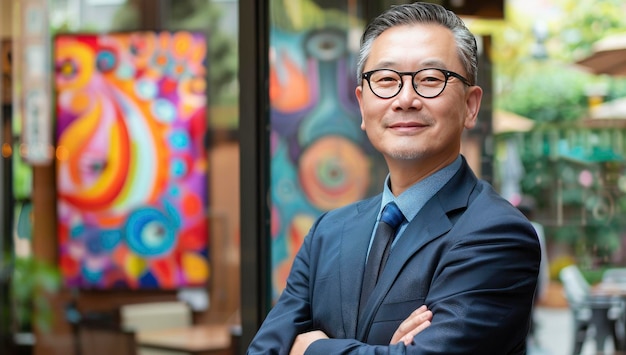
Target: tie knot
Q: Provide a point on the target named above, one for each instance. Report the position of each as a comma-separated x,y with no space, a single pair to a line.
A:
392,215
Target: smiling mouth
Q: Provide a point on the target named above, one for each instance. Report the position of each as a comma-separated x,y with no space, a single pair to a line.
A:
407,125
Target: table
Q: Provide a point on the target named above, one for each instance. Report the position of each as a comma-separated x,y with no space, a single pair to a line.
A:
614,289
196,339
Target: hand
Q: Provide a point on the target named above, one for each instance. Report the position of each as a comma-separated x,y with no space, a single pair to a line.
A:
415,323
303,341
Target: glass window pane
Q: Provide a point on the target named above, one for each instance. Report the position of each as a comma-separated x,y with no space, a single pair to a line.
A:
320,158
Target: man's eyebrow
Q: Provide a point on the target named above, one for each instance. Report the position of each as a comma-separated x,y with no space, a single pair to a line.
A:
428,63
384,64
434,63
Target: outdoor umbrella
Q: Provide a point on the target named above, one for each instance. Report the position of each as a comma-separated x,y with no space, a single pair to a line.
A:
507,122
608,56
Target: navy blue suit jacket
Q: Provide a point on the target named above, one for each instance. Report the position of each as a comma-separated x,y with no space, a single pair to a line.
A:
468,255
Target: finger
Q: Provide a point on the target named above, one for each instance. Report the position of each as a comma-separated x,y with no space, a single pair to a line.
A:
416,323
421,309
415,319
408,339
412,325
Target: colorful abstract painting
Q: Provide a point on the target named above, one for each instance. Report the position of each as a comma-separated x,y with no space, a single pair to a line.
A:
131,162
320,157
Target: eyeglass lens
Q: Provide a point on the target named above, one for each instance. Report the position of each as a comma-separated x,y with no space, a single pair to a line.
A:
427,83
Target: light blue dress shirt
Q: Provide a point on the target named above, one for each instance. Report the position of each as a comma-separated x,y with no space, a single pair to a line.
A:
415,197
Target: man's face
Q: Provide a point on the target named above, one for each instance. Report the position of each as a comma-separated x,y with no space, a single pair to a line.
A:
408,128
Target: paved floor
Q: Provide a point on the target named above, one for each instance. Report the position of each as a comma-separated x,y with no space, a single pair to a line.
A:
554,330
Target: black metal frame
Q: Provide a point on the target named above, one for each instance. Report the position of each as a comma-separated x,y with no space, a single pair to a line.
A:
6,232
254,165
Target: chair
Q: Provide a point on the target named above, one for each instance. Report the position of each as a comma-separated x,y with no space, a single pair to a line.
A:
155,316
600,313
615,275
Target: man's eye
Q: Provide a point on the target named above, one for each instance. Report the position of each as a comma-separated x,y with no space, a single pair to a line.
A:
431,79
387,78
386,81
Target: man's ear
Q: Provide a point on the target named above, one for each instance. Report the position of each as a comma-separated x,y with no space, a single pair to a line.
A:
359,97
473,98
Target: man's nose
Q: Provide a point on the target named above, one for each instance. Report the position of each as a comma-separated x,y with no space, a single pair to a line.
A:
407,91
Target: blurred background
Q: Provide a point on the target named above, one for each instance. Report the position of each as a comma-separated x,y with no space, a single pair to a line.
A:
163,160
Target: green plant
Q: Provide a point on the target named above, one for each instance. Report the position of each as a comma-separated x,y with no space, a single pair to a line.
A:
31,280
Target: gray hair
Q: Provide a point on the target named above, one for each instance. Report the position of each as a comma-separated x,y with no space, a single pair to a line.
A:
428,13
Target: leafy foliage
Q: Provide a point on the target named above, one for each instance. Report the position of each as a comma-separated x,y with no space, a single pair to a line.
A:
31,279
587,21
554,93
547,93
551,88
583,213
290,15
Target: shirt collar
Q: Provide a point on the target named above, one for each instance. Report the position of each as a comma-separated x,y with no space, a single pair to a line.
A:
415,197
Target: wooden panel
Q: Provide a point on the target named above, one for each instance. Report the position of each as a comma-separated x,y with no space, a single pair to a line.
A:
5,71
493,9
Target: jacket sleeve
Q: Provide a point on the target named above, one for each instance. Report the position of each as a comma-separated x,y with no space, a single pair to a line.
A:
291,315
482,292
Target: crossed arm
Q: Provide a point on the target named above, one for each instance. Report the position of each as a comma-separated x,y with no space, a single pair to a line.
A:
415,323
480,283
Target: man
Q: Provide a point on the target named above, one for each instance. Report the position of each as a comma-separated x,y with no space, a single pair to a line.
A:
462,271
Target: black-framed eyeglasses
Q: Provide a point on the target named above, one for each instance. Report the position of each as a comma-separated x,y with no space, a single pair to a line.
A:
427,83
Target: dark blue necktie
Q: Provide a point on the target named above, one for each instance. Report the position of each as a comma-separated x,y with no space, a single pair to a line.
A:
390,220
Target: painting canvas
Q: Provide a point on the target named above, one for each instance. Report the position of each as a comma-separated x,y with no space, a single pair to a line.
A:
131,163
320,157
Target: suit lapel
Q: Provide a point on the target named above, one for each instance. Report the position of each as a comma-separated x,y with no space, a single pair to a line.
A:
356,233
430,223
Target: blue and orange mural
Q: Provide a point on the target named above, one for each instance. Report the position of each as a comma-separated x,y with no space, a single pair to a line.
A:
131,162
320,157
